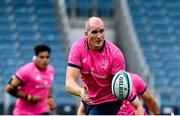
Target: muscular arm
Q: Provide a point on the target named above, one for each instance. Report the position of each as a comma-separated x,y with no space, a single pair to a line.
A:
138,106
11,88
72,85
151,102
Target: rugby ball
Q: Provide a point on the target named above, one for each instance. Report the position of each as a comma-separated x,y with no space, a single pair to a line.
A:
121,85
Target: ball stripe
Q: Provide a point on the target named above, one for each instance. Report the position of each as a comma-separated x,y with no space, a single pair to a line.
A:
115,84
128,82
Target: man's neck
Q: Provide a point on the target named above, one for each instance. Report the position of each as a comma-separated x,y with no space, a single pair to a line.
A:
41,69
96,49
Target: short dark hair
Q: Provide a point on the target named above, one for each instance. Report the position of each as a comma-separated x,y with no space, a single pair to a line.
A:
41,48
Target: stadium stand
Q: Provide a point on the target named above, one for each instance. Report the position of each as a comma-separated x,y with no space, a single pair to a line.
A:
24,24
157,26
86,8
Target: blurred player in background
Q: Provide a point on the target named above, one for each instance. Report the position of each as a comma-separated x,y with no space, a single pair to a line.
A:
32,85
141,90
97,60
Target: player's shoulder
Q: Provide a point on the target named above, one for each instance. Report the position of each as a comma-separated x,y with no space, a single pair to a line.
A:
113,49
50,67
79,43
112,46
136,77
28,65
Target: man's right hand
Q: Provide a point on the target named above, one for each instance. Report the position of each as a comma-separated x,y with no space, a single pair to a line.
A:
33,99
84,94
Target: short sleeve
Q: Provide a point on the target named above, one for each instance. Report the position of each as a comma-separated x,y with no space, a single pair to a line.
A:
118,62
74,56
141,86
22,74
132,96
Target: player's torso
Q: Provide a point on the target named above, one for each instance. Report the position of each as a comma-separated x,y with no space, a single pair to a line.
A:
39,81
96,65
38,84
96,68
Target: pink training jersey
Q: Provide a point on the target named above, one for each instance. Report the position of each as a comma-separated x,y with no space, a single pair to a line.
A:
97,68
139,87
36,83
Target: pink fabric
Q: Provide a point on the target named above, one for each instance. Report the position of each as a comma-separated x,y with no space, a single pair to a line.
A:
139,87
35,82
97,68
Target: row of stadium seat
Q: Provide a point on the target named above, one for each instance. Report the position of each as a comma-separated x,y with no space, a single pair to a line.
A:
84,8
26,2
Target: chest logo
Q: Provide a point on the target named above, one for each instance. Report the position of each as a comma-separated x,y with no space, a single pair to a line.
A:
84,60
105,65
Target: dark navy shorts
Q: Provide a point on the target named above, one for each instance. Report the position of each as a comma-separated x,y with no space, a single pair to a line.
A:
107,108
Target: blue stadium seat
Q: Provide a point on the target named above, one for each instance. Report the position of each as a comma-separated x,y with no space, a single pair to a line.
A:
9,61
69,6
45,9
50,36
47,19
44,16
22,18
49,30
24,29
59,80
84,7
7,73
4,2
174,73
172,65
166,98
3,9
26,44
20,2
45,2
22,10
178,97
161,81
106,8
174,81
65,101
